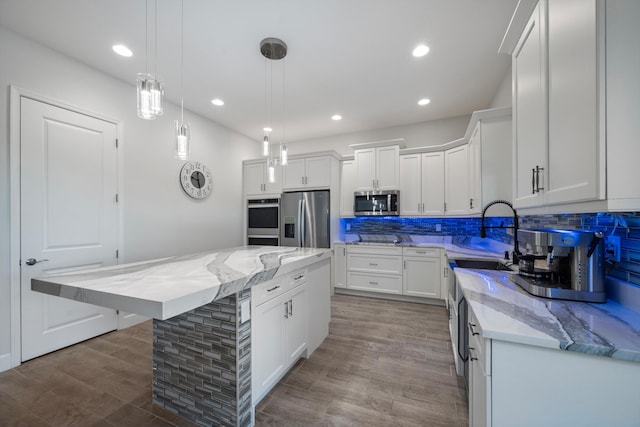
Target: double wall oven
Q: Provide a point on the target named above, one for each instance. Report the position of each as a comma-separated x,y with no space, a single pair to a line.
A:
263,222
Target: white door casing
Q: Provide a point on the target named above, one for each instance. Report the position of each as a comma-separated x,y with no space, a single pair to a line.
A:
69,216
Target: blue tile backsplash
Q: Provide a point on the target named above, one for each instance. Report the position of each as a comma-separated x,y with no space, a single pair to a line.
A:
625,225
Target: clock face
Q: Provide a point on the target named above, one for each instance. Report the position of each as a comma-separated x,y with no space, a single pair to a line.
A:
196,180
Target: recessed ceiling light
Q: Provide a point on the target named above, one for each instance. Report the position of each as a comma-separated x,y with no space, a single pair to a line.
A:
420,50
267,129
218,102
336,117
424,101
122,50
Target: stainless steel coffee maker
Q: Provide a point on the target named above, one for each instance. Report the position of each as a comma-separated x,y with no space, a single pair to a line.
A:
562,264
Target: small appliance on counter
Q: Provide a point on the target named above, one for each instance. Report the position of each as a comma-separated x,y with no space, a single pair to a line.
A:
376,203
562,264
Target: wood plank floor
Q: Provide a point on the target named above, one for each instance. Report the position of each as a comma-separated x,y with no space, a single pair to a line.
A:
384,363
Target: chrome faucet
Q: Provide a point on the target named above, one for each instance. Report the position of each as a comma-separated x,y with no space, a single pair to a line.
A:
483,228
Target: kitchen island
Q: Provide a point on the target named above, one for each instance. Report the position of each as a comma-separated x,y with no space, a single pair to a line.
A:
201,333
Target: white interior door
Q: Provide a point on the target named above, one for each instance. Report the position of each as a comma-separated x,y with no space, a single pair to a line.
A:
69,219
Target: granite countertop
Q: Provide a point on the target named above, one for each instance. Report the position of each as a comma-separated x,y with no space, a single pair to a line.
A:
507,312
166,287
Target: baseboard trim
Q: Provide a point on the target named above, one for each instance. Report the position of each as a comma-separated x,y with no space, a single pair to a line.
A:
5,362
394,297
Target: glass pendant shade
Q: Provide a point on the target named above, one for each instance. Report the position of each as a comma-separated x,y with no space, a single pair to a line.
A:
183,136
265,145
272,171
150,93
284,155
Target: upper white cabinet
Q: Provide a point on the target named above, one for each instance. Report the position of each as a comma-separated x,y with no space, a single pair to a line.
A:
309,172
347,187
377,168
256,182
475,170
456,181
422,184
558,119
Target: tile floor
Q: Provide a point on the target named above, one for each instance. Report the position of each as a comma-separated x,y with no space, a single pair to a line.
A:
384,363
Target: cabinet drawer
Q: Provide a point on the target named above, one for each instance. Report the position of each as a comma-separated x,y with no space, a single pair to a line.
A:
268,290
370,264
375,283
479,347
425,252
374,250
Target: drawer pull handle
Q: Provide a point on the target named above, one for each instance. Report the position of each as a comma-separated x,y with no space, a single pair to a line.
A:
421,252
372,264
473,331
298,277
273,289
373,283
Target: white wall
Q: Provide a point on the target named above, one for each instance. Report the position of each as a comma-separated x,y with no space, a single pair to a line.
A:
158,219
502,98
423,134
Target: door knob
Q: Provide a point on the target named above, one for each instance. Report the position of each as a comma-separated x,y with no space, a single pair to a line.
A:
33,261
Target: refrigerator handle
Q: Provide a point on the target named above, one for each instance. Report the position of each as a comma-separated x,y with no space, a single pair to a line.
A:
302,223
299,223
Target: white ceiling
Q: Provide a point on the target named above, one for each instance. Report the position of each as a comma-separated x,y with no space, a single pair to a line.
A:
351,57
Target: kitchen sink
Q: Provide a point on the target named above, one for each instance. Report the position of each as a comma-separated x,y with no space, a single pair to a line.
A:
482,264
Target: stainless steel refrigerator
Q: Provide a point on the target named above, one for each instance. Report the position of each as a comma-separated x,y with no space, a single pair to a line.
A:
304,217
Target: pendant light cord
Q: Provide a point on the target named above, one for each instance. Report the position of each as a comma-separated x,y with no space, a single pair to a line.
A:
155,41
182,60
146,37
283,100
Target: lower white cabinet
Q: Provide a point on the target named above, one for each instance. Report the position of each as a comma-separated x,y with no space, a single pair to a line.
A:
422,275
289,319
479,375
340,265
374,268
409,271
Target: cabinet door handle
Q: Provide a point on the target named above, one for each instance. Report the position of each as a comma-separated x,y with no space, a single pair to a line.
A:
533,181
290,308
446,272
538,188
471,356
418,207
473,331
422,207
286,310
470,203
404,264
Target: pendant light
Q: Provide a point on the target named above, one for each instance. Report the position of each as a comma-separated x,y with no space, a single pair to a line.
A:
272,49
284,153
183,130
150,89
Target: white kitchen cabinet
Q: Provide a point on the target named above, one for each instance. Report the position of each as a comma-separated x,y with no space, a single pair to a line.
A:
278,329
558,77
268,340
340,265
295,324
422,184
474,148
347,187
308,172
374,268
318,304
256,182
410,184
479,375
377,168
433,183
422,272
456,181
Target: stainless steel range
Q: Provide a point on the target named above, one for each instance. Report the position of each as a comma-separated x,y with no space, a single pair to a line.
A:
562,264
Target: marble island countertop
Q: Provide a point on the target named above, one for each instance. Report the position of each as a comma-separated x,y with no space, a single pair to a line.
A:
507,312
166,287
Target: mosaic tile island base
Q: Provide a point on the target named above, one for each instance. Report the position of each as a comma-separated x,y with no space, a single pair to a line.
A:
201,349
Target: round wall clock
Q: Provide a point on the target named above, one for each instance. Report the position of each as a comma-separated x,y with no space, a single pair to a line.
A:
196,180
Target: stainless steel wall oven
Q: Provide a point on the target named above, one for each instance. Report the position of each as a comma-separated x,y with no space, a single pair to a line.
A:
263,222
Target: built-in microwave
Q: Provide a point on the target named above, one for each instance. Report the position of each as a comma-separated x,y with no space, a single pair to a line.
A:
368,203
